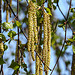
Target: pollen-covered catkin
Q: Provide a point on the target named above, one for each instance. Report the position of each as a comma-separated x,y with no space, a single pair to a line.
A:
31,20
10,5
30,23
49,40
45,40
32,44
37,62
4,6
35,26
40,67
7,13
1,48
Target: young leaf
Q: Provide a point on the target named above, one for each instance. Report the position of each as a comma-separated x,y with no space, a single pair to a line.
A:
60,25
7,25
2,37
18,23
48,11
14,65
1,61
73,48
11,34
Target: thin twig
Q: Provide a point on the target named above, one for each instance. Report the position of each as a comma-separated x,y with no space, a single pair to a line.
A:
65,34
15,16
10,7
18,59
42,61
67,14
61,10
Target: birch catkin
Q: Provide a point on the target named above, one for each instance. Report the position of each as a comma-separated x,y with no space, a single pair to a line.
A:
35,26
49,40
7,13
30,21
10,5
37,62
45,40
1,48
32,28
32,44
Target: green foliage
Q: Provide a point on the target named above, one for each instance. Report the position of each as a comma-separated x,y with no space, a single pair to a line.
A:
2,37
48,11
18,23
73,48
1,61
7,26
5,47
11,34
14,65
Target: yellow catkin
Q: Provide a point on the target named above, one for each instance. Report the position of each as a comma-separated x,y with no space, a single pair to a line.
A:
16,53
30,23
35,25
40,53
7,13
37,61
45,40
1,48
49,40
32,44
40,68
73,65
10,5
4,6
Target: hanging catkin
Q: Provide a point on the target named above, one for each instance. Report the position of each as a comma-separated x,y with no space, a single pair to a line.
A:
7,13
45,40
32,31
49,40
16,53
40,66
4,6
30,21
41,52
1,48
35,25
32,44
37,61
10,5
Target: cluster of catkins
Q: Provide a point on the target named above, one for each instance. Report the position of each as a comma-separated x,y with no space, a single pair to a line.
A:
33,39
6,7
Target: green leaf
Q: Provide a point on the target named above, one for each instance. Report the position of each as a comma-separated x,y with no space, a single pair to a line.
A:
14,65
48,11
11,34
73,22
60,25
2,37
55,1
54,7
73,48
7,25
49,1
72,9
5,47
18,23
1,61
71,40
73,17
73,37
